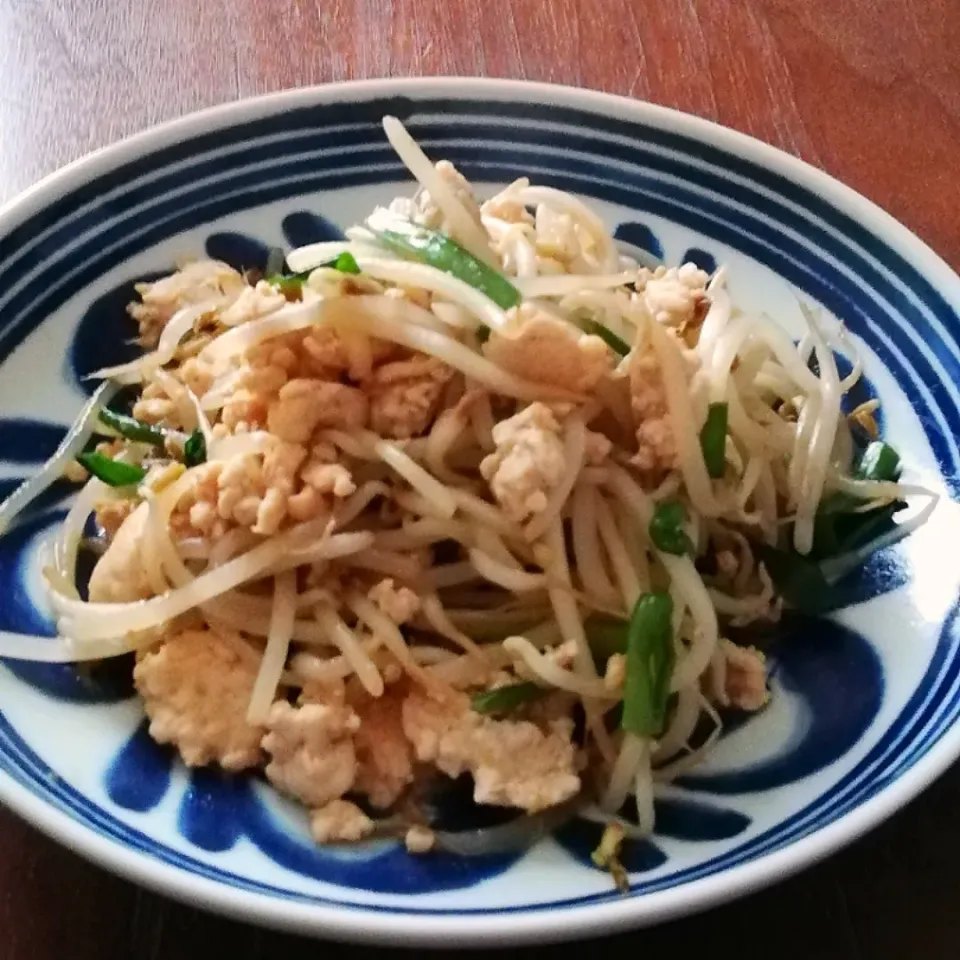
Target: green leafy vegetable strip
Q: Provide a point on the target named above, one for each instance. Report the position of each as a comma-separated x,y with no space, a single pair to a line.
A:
713,439
505,699
293,282
195,449
650,657
289,282
799,580
114,473
438,250
879,462
607,336
838,528
666,529
132,428
346,263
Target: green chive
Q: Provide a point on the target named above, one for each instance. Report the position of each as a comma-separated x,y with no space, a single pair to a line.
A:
114,473
195,449
880,462
132,428
713,439
607,336
799,580
438,250
666,529
650,659
506,699
346,263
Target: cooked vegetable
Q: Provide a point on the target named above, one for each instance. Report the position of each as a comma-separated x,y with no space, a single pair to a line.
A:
607,336
505,699
516,834
799,580
841,525
713,439
666,529
438,250
607,855
114,473
650,658
133,429
293,282
195,449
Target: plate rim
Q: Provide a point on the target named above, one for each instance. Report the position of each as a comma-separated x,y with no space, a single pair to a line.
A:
537,924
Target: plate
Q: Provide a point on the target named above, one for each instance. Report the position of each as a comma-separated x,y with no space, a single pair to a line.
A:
864,702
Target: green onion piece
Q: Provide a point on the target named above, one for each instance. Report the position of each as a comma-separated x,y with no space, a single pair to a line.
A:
650,658
506,699
666,529
838,527
607,336
346,263
114,473
293,282
195,449
276,262
880,462
713,439
289,283
799,580
438,250
132,428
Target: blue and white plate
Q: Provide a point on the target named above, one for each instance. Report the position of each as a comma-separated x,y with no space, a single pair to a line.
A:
865,702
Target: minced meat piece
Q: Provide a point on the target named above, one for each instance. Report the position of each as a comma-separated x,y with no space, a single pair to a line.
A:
196,687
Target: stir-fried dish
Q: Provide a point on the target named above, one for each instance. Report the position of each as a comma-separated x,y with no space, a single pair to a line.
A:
472,492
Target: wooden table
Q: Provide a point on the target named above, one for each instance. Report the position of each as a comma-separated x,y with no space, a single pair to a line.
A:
867,89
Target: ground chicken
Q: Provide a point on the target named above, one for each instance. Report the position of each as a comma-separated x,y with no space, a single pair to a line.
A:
400,604
119,576
340,821
404,395
311,751
615,673
745,678
674,296
550,351
430,214
598,447
384,756
304,405
194,283
252,304
528,461
196,688
111,514
656,446
419,839
513,763
504,206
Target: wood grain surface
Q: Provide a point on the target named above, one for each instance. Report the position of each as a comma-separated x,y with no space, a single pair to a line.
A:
869,90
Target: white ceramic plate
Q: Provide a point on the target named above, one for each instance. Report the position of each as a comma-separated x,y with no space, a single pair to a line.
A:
864,702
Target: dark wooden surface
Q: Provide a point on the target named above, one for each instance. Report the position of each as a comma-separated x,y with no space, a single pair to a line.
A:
869,90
